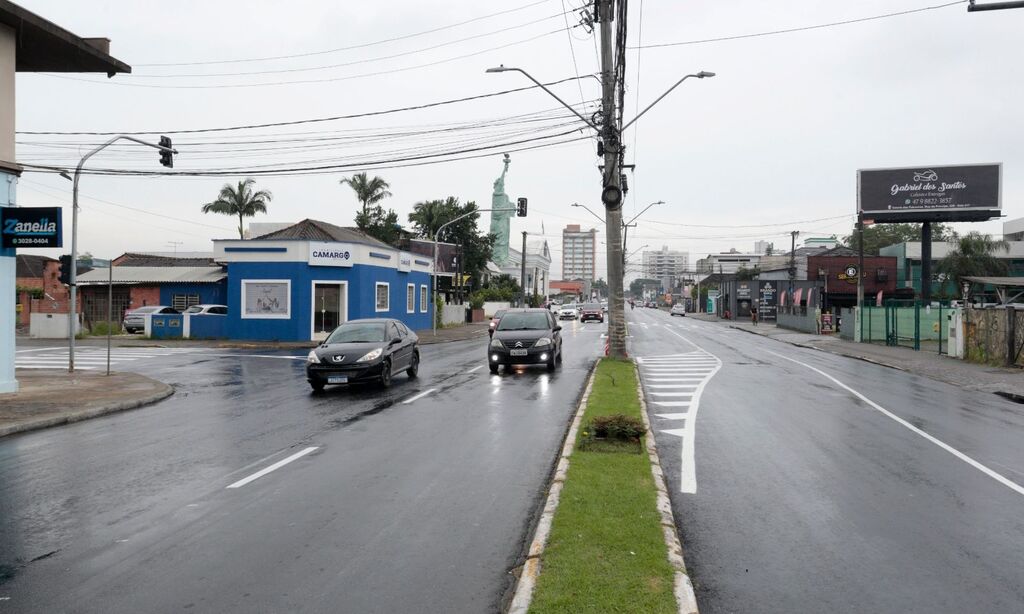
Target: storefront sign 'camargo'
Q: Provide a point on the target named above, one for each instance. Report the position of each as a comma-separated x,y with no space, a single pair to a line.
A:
30,226
330,254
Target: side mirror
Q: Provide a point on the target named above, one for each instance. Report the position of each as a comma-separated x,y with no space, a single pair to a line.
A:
394,342
557,328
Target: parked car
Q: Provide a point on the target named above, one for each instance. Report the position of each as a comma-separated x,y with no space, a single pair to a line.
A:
591,311
567,312
135,320
494,320
373,349
213,310
678,310
526,336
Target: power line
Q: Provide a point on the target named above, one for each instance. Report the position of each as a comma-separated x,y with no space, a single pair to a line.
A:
802,28
351,47
308,121
823,219
572,50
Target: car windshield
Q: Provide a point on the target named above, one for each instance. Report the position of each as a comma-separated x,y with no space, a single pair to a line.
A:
499,313
524,320
358,332
591,306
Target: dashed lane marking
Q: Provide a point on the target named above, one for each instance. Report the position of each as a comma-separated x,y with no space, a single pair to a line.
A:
419,396
281,463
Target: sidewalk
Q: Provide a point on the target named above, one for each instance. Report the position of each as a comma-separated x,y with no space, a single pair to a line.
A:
45,398
457,333
966,375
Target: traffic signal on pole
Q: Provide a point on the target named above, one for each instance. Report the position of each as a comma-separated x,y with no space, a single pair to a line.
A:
166,156
65,269
521,208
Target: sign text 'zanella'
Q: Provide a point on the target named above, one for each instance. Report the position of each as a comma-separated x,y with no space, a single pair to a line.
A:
30,226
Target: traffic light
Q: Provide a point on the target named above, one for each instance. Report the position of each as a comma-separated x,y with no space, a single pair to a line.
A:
65,269
166,156
521,208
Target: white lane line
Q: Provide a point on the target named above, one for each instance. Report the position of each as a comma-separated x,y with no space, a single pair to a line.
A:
38,350
672,403
673,416
51,367
677,380
676,432
281,463
888,414
419,396
476,368
672,386
673,394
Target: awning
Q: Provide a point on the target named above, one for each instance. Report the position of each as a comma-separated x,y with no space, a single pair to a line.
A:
796,296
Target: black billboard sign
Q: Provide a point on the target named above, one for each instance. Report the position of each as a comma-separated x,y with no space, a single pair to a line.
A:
30,227
768,305
930,193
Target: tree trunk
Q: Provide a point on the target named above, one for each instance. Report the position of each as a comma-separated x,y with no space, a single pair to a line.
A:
241,222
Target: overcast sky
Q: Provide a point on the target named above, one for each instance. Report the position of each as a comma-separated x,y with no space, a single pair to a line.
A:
774,140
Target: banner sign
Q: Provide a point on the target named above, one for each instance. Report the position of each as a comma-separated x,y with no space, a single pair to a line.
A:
930,193
330,254
768,305
30,226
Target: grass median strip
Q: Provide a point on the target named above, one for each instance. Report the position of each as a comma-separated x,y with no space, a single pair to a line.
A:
606,551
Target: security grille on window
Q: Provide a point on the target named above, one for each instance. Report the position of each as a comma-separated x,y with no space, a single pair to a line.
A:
423,299
410,298
181,302
382,297
882,275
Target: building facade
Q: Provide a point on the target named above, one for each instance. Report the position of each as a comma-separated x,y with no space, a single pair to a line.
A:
666,265
727,263
579,253
908,265
538,266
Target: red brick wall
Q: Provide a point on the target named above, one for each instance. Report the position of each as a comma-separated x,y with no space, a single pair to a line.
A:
835,266
50,283
144,295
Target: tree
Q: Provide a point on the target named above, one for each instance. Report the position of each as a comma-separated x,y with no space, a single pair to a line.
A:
368,191
974,255
600,286
745,274
878,236
427,218
636,287
379,224
241,201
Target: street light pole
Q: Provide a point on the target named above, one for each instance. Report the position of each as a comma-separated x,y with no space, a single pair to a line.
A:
522,272
631,224
73,276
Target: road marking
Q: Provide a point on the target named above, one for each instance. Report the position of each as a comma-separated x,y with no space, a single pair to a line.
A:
673,403
673,416
419,396
673,394
673,379
281,463
672,386
885,412
38,350
476,368
677,432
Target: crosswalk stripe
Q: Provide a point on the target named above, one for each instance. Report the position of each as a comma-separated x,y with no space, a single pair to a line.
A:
671,403
673,416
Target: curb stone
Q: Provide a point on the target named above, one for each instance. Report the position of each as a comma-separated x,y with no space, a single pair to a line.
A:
683,587
111,408
531,567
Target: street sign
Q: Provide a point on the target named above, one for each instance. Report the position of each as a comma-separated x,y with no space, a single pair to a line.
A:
30,227
930,193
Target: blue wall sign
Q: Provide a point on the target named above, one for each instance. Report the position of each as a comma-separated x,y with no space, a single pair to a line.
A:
30,226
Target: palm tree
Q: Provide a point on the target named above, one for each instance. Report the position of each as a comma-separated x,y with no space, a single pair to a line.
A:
974,256
368,191
240,201
428,216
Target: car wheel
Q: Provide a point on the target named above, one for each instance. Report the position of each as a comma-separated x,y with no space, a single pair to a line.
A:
385,373
317,386
494,369
414,366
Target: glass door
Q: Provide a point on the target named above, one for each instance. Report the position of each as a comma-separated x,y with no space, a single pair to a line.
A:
327,309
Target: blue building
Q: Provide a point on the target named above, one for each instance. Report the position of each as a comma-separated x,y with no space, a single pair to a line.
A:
299,283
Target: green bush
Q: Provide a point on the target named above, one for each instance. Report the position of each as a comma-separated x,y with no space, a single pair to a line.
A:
616,426
99,329
476,301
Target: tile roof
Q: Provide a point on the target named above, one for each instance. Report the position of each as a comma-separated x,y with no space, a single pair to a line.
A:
155,275
315,230
31,266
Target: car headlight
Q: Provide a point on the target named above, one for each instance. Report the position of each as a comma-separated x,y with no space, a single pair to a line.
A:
542,342
312,358
496,343
371,355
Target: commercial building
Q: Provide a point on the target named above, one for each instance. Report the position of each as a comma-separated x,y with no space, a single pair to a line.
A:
667,266
29,43
579,253
299,283
839,269
908,265
538,266
727,263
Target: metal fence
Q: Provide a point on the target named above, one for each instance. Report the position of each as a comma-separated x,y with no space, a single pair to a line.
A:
907,323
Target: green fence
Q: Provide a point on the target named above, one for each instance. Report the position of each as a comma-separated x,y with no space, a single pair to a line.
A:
907,323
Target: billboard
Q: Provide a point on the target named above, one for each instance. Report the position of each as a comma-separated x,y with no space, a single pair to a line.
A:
30,226
768,301
967,193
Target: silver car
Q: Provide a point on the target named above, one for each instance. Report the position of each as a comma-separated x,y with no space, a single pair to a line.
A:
135,320
678,310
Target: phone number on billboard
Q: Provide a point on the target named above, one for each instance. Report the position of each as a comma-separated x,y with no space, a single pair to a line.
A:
32,240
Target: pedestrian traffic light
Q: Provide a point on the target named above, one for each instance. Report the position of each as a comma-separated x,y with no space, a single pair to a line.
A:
521,208
65,270
166,155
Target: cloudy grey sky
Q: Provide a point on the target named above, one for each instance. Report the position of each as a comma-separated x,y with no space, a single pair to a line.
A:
769,145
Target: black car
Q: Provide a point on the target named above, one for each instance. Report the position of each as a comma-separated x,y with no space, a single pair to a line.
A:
525,337
364,350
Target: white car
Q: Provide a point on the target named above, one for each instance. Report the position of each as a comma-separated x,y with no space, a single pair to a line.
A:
678,310
215,310
567,312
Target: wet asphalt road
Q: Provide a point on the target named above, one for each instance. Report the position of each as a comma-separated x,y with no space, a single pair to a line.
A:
809,499
418,506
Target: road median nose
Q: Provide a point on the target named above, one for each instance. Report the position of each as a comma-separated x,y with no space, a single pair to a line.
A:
606,541
53,397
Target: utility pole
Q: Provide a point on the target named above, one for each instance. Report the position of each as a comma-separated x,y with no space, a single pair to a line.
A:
860,265
926,263
611,194
792,259
522,272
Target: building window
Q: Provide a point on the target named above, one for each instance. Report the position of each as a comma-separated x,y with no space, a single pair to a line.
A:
383,290
266,298
181,302
410,298
423,299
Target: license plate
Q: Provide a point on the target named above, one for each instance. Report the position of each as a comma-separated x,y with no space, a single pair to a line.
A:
519,352
337,379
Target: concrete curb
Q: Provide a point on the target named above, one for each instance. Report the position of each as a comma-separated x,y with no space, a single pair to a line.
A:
682,587
814,347
531,568
44,423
